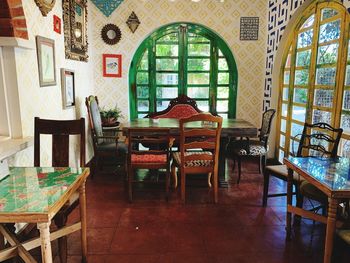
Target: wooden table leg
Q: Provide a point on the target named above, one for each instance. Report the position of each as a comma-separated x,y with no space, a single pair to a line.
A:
222,163
82,202
289,202
46,252
332,213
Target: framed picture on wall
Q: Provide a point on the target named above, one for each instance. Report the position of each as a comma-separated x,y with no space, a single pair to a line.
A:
45,49
68,88
112,65
57,24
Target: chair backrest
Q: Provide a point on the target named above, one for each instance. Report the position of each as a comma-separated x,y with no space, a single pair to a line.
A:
60,131
95,121
319,139
201,131
266,126
156,141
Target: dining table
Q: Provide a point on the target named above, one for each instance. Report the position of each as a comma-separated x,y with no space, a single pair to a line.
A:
36,195
329,175
230,128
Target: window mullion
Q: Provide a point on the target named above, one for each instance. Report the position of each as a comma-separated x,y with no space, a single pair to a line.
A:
213,77
152,78
182,60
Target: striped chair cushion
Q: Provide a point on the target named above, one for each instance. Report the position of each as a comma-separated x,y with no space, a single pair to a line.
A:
254,150
193,163
148,158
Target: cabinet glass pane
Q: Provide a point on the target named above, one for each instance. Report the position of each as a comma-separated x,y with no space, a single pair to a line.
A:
166,93
345,122
198,92
167,64
328,13
167,78
142,78
329,31
305,38
301,77
300,95
222,105
167,50
199,50
323,98
286,77
346,100
327,54
142,92
223,92
321,116
223,78
303,58
223,64
325,76
142,105
198,78
299,113
198,64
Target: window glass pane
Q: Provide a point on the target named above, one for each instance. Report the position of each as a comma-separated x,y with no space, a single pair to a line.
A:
142,78
172,37
309,22
198,78
199,50
287,65
296,130
323,98
305,38
198,64
223,92
223,78
285,93
344,147
347,77
286,77
325,76
194,92
144,61
300,95
203,105
223,64
220,53
142,92
293,146
284,109
162,105
141,115
329,31
321,116
167,64
222,105
299,113
281,156
166,50
197,38
282,140
301,77
142,105
223,115
327,13
346,100
303,58
167,78
349,51
166,93
345,122
283,125
327,54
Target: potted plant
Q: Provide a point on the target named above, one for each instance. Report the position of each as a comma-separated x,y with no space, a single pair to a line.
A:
110,117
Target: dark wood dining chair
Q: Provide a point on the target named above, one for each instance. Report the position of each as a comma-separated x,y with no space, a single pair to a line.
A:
199,150
60,131
148,148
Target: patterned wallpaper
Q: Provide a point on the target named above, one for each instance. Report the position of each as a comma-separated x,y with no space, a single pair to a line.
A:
223,18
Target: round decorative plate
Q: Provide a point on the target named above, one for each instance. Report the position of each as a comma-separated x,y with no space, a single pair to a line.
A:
111,34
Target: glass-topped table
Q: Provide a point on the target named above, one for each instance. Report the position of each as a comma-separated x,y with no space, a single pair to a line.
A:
36,195
332,177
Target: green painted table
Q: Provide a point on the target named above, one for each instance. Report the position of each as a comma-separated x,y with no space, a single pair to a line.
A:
35,195
230,128
332,177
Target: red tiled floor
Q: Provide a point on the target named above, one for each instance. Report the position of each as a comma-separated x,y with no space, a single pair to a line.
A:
237,229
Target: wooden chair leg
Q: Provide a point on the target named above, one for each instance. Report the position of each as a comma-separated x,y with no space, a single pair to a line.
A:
266,187
173,174
239,169
209,179
299,203
60,221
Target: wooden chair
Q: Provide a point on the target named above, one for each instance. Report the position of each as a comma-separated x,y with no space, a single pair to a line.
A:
105,146
256,149
199,150
155,156
60,131
319,139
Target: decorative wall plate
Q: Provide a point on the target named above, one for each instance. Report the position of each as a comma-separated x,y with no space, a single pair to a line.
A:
45,6
111,34
133,22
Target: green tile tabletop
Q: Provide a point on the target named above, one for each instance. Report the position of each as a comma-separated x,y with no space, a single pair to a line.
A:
37,192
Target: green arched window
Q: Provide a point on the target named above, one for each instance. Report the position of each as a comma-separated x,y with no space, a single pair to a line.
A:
315,77
183,59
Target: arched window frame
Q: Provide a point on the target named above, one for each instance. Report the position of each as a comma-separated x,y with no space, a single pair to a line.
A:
286,148
217,43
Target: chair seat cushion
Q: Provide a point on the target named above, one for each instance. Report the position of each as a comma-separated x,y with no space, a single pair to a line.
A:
344,234
254,150
312,192
193,163
281,171
148,158
111,146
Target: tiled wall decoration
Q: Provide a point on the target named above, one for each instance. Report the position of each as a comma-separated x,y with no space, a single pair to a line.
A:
107,7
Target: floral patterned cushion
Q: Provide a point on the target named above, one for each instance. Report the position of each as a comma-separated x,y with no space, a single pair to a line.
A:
148,158
193,163
178,112
253,150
